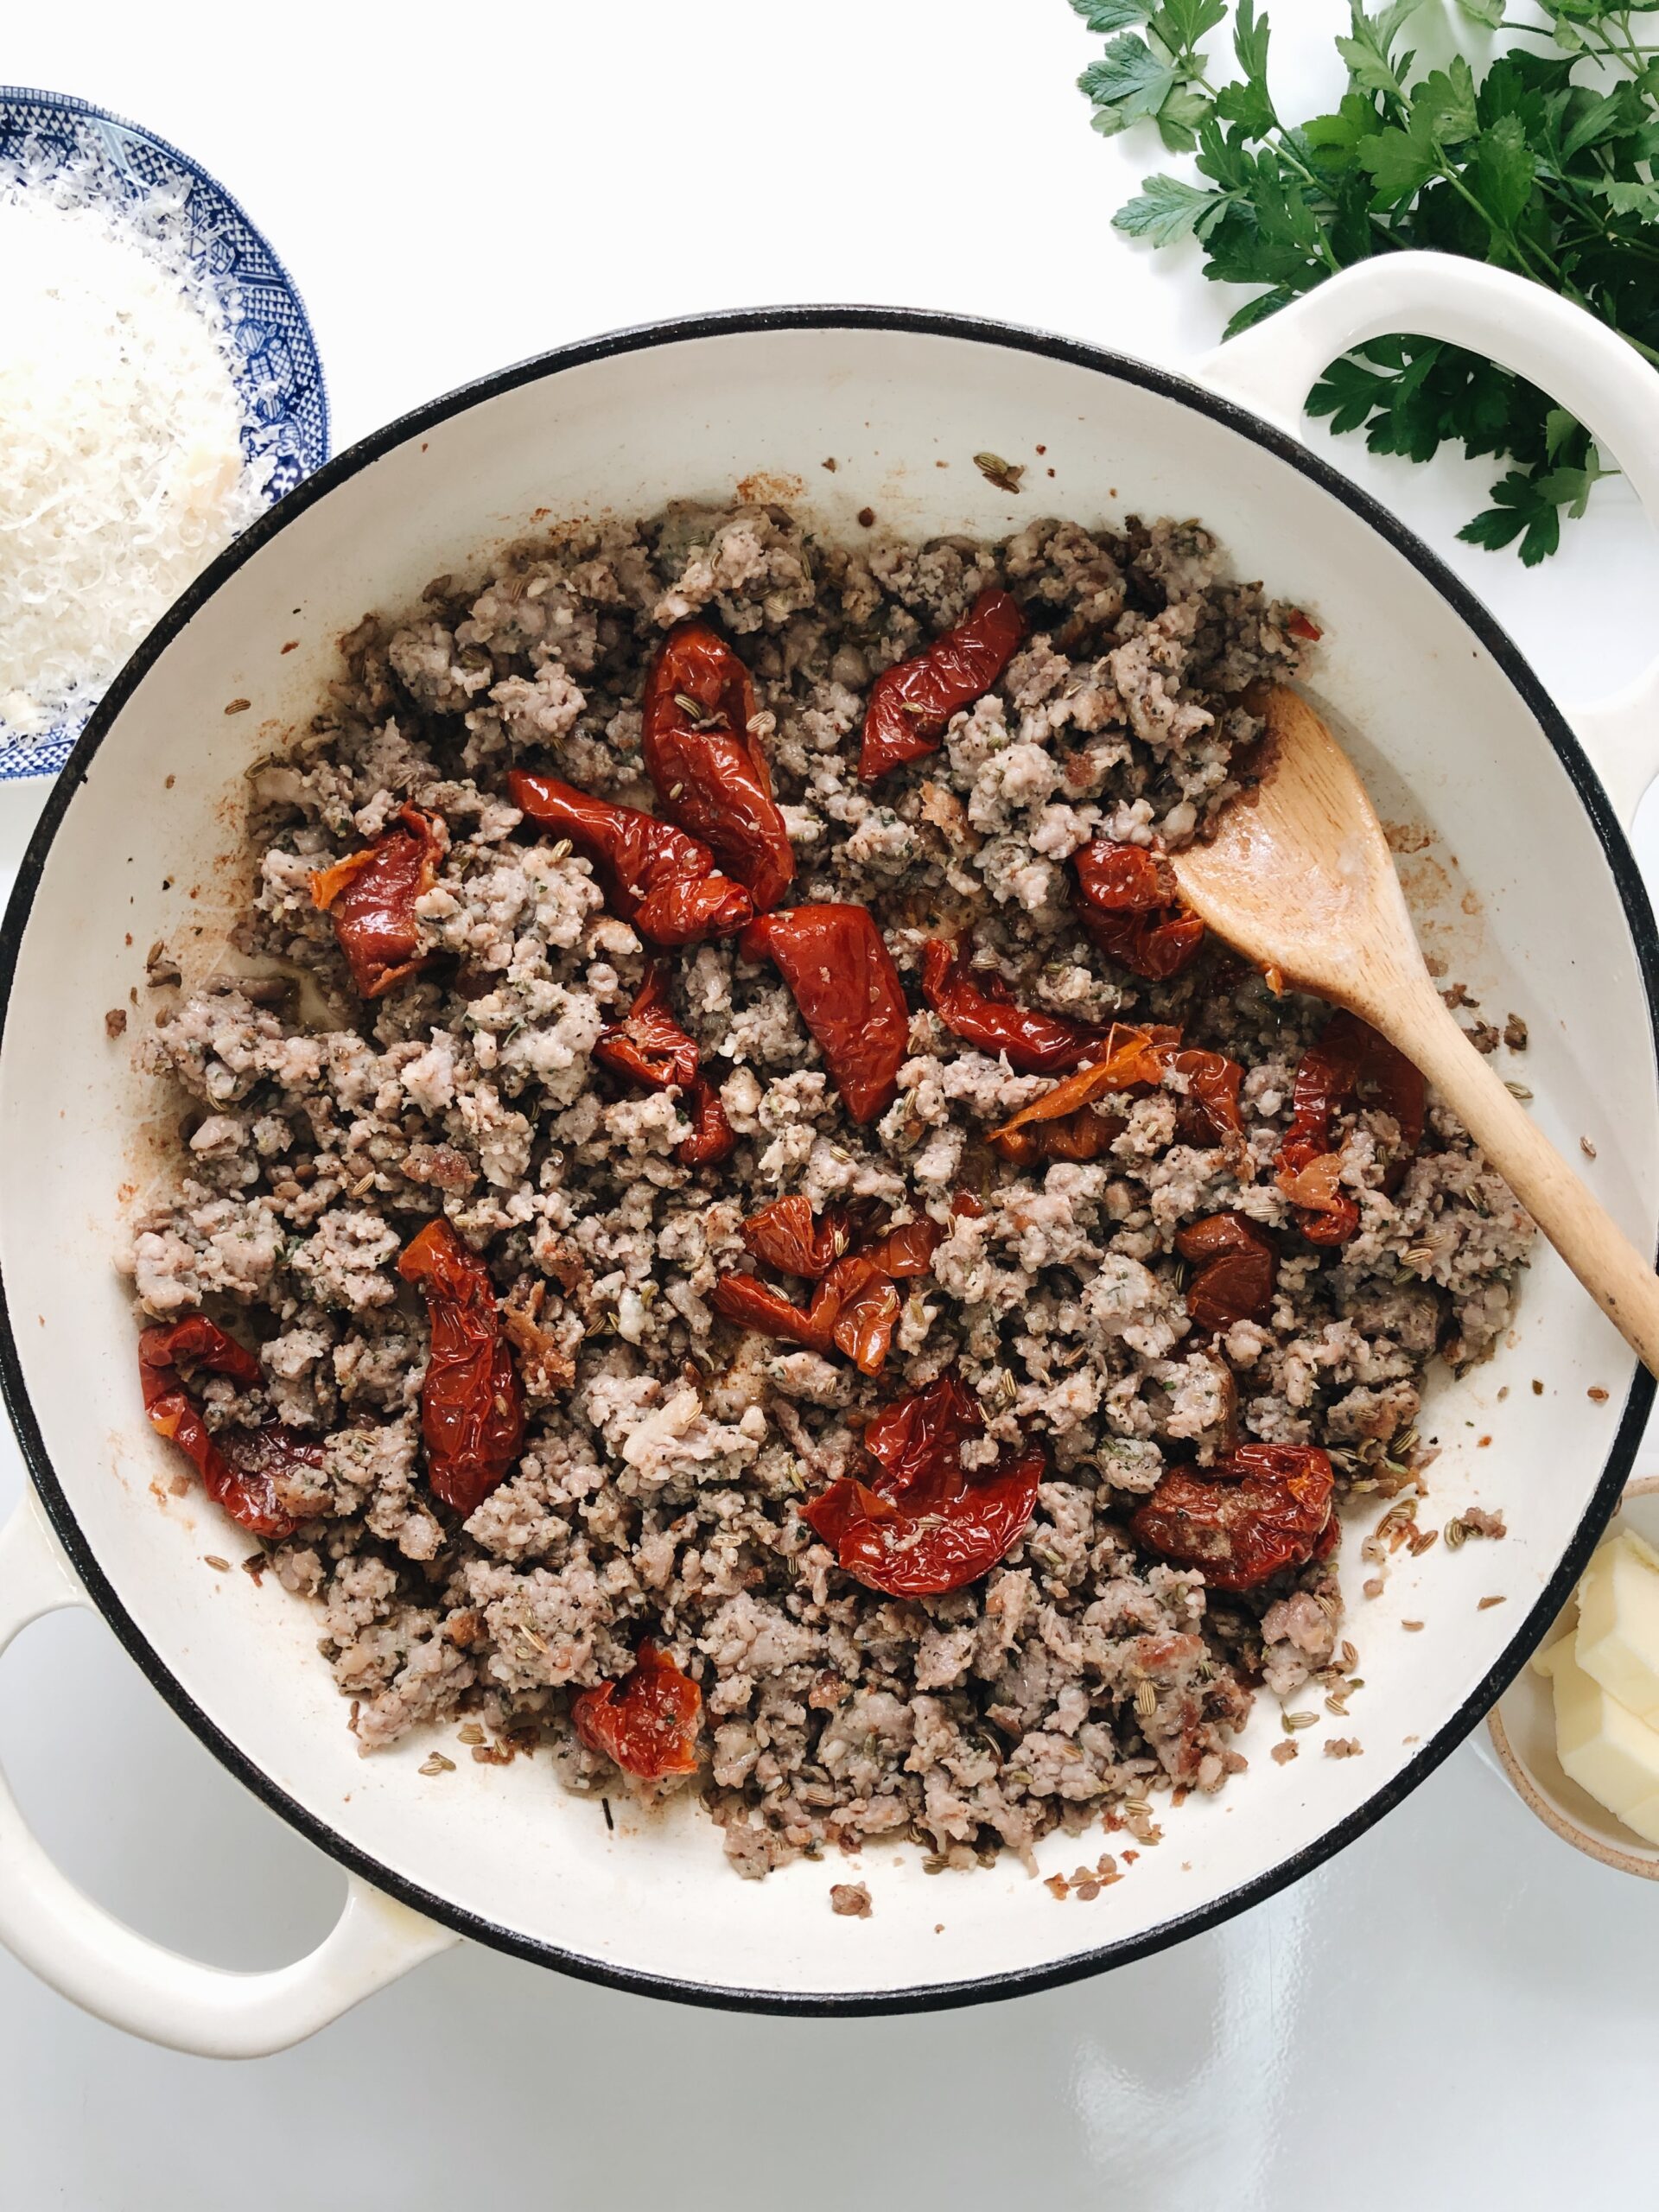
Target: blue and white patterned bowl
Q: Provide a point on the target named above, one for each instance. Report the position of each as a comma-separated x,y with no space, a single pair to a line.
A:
279,374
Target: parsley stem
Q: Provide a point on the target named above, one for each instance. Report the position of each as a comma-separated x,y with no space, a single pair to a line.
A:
1564,190
1634,47
1287,153
1504,231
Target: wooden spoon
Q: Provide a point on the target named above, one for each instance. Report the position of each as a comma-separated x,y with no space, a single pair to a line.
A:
1298,876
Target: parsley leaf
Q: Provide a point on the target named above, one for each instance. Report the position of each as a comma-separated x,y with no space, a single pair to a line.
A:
1334,139
1256,310
1518,510
1630,197
1444,105
1502,172
1160,76
1181,23
1178,117
1598,119
1402,161
1369,50
1347,393
1111,15
1167,211
1250,42
1128,76
1249,103
1399,162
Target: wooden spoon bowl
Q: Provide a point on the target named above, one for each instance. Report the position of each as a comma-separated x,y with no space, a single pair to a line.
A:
1298,877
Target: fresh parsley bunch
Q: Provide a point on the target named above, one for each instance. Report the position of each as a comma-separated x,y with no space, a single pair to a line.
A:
1524,167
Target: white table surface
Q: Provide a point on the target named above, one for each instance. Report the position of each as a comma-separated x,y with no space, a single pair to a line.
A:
1458,2004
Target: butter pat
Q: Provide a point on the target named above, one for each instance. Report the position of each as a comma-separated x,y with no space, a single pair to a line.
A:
1618,1624
1606,1748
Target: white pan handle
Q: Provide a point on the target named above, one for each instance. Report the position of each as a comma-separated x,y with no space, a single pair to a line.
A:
100,1963
1558,346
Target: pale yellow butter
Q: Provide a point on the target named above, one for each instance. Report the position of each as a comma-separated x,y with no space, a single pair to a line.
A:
1618,1624
1606,1748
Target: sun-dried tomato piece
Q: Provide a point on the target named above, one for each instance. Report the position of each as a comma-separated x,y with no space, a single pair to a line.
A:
713,1138
1150,945
785,1235
1235,1270
1326,1213
370,897
910,705
471,1401
980,1010
855,1309
1131,908
1307,1167
685,910
1063,1123
1389,1080
923,1523
922,1431
906,1250
239,1467
1347,1066
1212,1084
856,1305
841,976
707,766
1082,1136
848,1505
965,1206
267,1465
653,875
199,1341
1116,878
648,1044
647,1722
1263,1507
248,1494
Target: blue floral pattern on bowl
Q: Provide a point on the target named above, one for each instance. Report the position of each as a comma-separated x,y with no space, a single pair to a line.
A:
279,373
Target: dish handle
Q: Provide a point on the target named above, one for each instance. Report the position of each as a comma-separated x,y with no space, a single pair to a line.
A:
1558,346
109,1969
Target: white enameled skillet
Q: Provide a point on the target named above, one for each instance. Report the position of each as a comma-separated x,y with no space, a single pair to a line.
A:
1529,888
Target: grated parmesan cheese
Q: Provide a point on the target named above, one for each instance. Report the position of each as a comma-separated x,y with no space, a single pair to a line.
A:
121,469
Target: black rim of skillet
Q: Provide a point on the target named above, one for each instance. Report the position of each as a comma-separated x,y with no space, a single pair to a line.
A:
928,1996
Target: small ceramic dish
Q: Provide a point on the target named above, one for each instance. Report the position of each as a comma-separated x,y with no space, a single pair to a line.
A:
279,374
1522,1727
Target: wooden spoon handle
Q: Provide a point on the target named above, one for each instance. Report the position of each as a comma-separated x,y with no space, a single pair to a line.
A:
1600,1254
